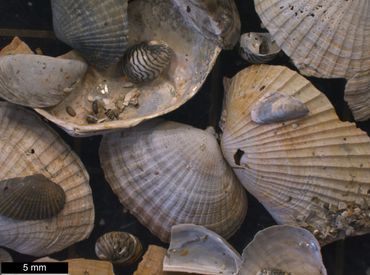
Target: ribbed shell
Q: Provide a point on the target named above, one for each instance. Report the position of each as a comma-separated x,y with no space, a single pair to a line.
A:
168,173
28,147
146,61
258,47
313,171
282,248
118,248
328,39
5,256
32,197
37,80
97,29
217,20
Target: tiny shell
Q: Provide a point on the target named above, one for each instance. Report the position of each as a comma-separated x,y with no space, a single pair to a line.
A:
30,198
5,256
119,248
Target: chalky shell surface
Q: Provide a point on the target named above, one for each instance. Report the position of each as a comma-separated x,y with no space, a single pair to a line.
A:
328,39
97,29
28,147
37,80
168,173
312,172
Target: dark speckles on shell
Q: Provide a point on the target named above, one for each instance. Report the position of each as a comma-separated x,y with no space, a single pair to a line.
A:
118,247
146,61
30,198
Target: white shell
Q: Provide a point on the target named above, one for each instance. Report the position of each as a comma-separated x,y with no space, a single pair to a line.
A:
168,173
313,171
29,146
327,39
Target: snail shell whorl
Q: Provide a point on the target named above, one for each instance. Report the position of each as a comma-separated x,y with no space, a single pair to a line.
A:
118,247
146,61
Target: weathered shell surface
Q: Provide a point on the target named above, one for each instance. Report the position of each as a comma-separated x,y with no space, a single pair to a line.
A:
312,172
28,147
328,39
168,173
32,197
97,29
283,248
16,46
5,256
217,20
38,81
118,248
258,47
146,61
196,249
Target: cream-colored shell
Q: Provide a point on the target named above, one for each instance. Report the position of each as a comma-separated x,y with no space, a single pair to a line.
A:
194,56
313,171
328,39
29,146
168,173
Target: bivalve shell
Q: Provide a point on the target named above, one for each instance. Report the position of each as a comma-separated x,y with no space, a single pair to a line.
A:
168,173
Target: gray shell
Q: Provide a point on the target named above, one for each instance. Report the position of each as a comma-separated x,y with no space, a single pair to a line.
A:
146,61
97,29
30,198
38,81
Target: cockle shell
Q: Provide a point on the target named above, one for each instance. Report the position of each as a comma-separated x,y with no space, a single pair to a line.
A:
277,250
28,147
32,197
97,29
313,171
328,39
167,173
146,61
256,47
118,248
37,80
5,256
217,20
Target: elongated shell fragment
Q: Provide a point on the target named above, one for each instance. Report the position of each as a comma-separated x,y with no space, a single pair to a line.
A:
32,197
29,147
119,248
146,61
37,80
168,173
97,29
312,171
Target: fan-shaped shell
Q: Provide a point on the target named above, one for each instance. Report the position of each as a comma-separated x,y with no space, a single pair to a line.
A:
217,20
118,248
168,173
313,171
97,29
37,80
32,197
327,39
5,256
146,61
258,47
29,147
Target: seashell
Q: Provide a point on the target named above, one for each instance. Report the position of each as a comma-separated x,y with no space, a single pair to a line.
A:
32,197
327,39
217,20
38,81
118,248
167,173
258,47
146,61
152,263
16,46
29,147
97,29
277,107
5,256
304,169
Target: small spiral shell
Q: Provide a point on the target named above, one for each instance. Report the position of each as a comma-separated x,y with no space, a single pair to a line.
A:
118,247
146,61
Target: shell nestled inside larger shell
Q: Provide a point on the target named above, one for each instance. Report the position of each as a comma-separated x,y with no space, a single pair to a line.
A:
312,171
168,173
28,146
